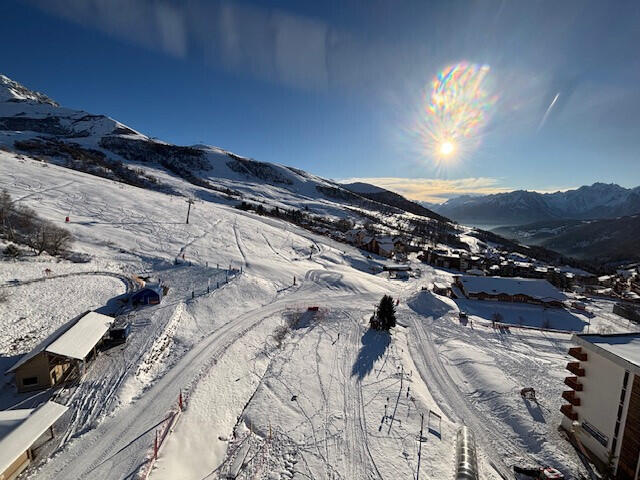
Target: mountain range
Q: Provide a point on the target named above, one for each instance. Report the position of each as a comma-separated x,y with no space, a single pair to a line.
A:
520,207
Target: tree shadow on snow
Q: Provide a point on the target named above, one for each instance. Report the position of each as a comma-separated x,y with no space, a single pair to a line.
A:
114,304
535,411
374,344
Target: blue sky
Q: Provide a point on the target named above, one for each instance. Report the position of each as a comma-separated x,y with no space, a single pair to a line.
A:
338,87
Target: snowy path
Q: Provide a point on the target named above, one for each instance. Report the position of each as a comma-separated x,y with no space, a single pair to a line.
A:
128,283
118,447
358,461
453,402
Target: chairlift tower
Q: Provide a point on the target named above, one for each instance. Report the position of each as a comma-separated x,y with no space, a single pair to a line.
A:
190,201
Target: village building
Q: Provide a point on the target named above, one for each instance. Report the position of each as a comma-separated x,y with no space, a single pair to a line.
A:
441,289
62,355
602,411
522,290
385,245
399,272
627,310
149,295
20,430
606,280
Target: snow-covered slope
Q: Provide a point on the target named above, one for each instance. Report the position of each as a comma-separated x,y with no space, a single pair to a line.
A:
11,91
599,200
272,388
33,124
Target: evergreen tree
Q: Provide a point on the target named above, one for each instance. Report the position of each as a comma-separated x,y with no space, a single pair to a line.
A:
386,313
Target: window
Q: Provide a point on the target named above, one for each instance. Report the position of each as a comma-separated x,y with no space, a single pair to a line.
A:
29,381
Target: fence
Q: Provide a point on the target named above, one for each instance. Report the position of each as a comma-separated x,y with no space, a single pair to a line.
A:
161,434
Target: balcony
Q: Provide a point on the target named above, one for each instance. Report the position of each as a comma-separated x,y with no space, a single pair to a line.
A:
568,412
576,352
574,367
570,396
573,383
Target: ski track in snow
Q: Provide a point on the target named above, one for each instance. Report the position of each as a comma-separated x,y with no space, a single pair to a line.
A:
110,429
453,402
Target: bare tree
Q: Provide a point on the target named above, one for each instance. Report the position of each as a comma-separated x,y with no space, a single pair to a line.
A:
5,207
59,240
39,238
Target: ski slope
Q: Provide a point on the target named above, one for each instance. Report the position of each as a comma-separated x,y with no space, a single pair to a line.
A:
328,398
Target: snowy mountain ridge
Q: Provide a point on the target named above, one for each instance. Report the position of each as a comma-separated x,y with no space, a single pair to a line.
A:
519,207
33,124
13,91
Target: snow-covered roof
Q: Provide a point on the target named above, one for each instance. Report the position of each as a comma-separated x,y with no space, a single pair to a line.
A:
534,288
475,271
78,341
63,336
623,346
19,429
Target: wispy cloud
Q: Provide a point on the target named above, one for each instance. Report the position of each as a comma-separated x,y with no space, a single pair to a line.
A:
271,44
435,190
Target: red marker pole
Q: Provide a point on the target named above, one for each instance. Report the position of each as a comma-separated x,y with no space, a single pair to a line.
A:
155,446
180,400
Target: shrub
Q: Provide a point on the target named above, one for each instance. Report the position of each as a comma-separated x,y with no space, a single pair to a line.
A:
23,226
12,251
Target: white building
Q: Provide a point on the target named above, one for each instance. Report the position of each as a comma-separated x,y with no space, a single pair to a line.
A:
603,409
20,430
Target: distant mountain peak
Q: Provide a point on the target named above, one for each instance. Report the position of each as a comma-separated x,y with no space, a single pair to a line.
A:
599,200
12,91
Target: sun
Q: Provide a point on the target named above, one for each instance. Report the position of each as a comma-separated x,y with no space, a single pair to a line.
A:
446,148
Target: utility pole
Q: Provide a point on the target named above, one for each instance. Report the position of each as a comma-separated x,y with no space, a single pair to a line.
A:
190,201
420,446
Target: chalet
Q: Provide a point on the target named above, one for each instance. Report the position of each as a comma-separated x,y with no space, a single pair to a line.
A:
399,272
383,246
476,271
63,355
441,289
442,258
521,290
20,430
149,295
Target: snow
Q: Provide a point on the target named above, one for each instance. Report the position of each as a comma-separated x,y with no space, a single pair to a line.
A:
267,397
534,288
625,346
25,427
34,310
78,341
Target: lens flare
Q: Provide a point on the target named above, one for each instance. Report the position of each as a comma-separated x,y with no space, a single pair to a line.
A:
446,148
457,108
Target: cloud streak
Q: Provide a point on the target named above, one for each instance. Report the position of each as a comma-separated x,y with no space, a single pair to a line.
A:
271,44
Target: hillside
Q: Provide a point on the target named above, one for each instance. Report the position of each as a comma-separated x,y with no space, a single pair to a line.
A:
264,329
598,241
33,124
391,198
